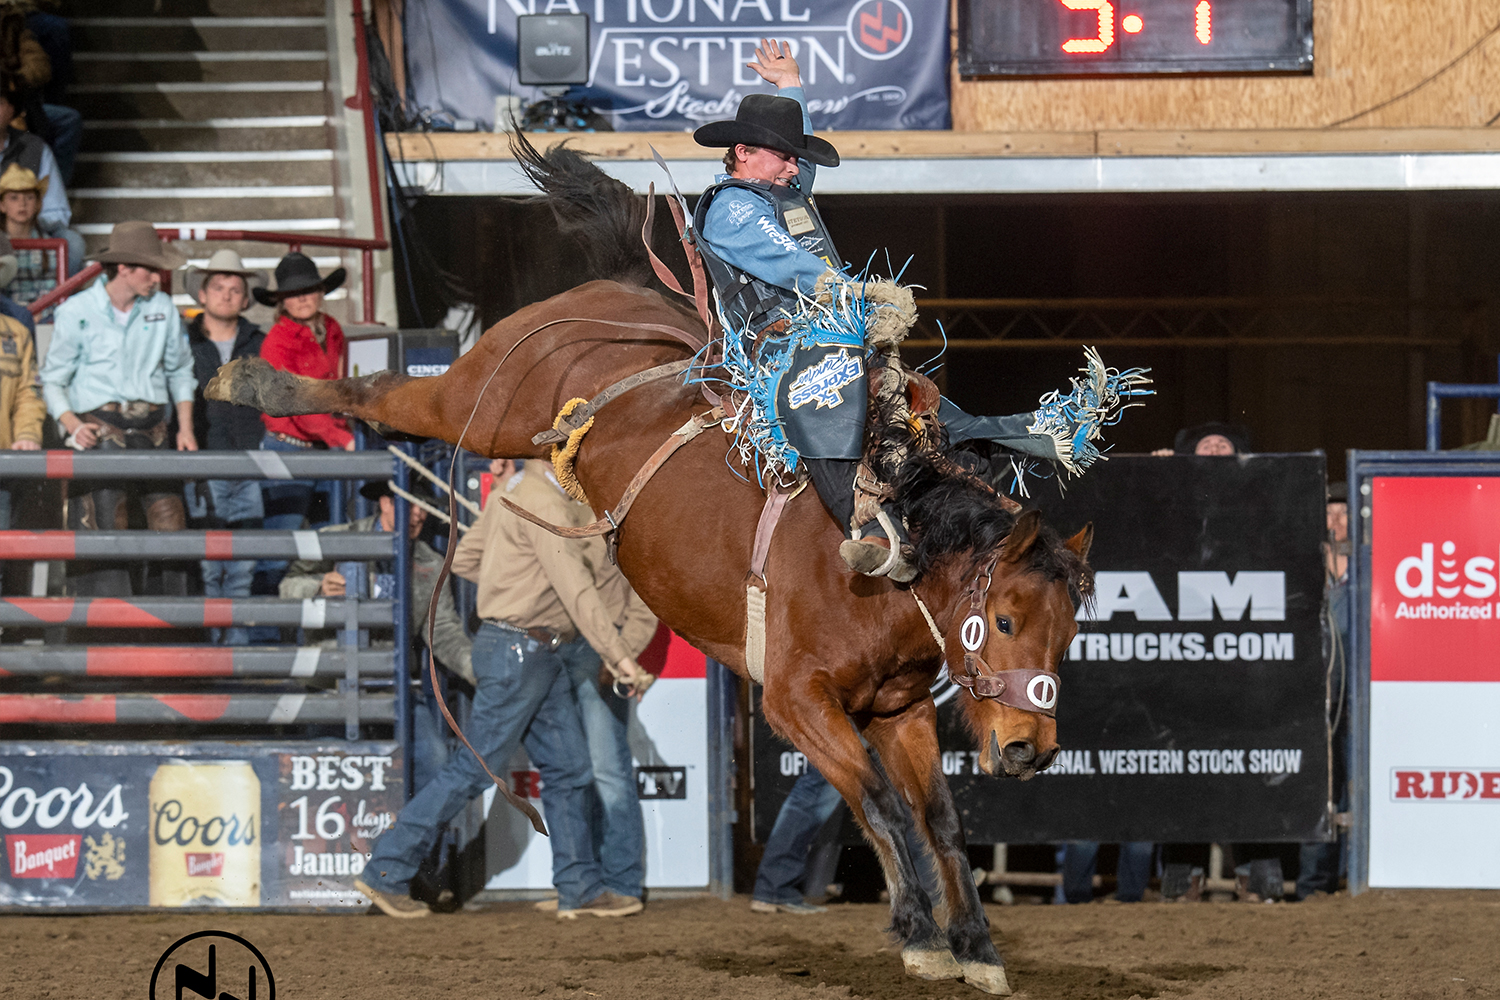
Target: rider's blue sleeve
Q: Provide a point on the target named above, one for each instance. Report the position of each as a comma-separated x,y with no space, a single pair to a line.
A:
741,227
807,170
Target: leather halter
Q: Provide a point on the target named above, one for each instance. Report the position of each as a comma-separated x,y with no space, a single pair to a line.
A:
1028,690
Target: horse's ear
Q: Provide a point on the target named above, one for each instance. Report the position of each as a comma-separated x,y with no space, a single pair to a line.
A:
1083,541
1023,536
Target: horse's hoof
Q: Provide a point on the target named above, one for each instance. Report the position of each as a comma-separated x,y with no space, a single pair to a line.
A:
932,963
989,978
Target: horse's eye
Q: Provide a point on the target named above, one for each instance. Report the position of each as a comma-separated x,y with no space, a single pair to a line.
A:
1003,625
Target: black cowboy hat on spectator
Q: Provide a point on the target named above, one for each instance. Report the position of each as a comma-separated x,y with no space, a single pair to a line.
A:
137,244
377,488
769,121
1187,438
296,274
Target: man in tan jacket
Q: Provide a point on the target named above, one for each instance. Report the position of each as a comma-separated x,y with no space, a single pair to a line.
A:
547,605
21,407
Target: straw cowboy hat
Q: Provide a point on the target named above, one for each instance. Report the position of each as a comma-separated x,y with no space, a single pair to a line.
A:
772,122
137,243
224,261
18,178
8,263
296,274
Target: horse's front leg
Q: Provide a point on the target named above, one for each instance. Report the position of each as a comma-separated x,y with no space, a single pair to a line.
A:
908,748
816,724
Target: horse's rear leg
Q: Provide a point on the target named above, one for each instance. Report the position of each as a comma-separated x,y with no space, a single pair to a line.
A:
422,407
908,748
818,727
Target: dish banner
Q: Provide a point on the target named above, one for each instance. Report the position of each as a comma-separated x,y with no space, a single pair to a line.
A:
1192,700
1434,682
127,825
661,65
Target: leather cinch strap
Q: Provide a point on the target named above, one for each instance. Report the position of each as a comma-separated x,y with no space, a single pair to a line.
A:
614,517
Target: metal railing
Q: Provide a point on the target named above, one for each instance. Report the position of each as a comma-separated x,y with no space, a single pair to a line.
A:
358,670
1439,391
293,242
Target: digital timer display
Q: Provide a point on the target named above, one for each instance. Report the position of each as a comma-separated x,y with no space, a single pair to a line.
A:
1133,37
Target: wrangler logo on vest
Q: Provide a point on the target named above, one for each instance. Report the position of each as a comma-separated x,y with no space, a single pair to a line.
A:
821,383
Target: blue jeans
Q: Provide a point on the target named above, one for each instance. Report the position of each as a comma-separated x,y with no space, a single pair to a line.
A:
807,807
619,832
67,136
234,504
1131,875
524,696
285,502
429,735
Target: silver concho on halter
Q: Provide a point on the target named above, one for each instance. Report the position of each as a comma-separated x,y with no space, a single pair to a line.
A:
972,633
1042,691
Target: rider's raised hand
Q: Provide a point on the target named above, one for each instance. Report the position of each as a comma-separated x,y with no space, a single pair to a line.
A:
774,63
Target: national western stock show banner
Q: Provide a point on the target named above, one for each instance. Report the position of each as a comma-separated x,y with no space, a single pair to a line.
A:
1435,682
1192,700
659,65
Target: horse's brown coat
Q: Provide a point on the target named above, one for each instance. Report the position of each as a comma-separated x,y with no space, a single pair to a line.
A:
846,655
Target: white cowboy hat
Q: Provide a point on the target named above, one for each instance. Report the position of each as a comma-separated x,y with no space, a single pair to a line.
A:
222,262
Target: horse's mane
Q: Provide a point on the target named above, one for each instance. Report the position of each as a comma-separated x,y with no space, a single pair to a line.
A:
604,215
950,511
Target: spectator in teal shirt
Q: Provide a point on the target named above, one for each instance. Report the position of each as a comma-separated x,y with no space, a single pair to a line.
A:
119,359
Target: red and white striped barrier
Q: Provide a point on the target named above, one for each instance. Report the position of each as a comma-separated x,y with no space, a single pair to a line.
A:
293,662
106,545
229,709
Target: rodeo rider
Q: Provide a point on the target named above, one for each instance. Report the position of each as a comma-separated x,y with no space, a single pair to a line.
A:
765,246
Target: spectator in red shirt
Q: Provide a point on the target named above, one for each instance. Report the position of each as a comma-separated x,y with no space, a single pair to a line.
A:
305,341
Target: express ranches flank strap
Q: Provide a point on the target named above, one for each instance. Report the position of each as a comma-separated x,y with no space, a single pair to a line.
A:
1028,690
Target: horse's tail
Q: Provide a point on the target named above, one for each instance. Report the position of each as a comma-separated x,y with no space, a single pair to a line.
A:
604,214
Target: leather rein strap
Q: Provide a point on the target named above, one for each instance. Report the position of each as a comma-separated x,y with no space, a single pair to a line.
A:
613,517
1028,690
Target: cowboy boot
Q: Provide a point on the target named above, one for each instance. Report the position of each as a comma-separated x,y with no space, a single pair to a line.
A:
878,549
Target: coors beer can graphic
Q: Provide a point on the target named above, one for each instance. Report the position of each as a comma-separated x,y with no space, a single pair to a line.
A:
205,834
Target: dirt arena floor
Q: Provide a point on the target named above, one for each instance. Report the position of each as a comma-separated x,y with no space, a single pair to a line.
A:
1405,945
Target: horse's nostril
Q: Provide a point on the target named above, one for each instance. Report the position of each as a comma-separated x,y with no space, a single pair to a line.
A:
1020,752
1045,760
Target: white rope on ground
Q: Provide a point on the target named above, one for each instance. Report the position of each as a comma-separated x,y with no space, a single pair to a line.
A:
429,508
469,505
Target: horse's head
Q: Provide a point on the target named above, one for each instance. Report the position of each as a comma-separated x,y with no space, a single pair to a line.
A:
1010,586
1012,625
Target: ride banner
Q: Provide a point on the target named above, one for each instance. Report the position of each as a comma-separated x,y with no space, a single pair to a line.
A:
1193,697
235,825
666,65
1434,668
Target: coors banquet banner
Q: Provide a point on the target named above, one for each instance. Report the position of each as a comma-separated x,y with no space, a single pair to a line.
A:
1192,703
192,825
662,65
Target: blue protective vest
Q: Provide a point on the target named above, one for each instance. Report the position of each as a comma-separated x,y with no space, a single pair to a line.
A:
750,303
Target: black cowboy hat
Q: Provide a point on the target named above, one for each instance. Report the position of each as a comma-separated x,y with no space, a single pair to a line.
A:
1188,438
296,274
772,122
377,488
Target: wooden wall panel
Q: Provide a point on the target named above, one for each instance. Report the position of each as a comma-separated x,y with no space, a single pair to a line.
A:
1364,52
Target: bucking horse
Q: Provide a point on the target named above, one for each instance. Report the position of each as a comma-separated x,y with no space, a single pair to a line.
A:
844,659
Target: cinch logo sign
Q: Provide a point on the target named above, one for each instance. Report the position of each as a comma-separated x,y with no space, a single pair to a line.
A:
1447,784
1435,579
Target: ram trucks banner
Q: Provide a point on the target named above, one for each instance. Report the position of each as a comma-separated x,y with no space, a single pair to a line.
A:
192,824
1434,682
660,65
1192,703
